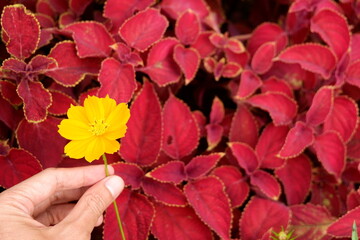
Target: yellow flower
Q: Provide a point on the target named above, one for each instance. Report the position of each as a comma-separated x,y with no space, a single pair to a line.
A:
94,128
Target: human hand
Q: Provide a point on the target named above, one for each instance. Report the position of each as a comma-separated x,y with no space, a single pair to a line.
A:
39,208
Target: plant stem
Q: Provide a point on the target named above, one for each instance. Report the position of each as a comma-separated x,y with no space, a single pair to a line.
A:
114,202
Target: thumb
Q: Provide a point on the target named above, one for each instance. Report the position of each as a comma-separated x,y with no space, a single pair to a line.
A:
93,203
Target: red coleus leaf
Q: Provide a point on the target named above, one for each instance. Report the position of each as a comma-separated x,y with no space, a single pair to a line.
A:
270,142
298,138
217,113
4,148
281,108
36,100
352,73
264,33
14,65
239,58
160,65
37,65
143,29
188,60
236,186
325,194
8,91
40,64
67,18
44,7
266,183
136,226
274,84
331,152
243,126
125,54
263,58
310,221
131,173
117,80
200,165
71,69
180,133
175,8
351,172
118,12
187,28
343,226
321,106
178,221
59,6
343,117
20,31
214,131
245,156
201,121
91,39
173,172
231,70
45,134
79,6
355,52
353,146
292,73
17,165
260,215
249,83
296,177
312,57
9,115
142,142
333,29
203,44
60,103
352,200
211,204
214,134
166,193
234,45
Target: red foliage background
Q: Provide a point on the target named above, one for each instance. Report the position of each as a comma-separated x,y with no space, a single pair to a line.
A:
244,114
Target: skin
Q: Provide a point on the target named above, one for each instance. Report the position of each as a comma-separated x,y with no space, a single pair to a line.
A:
39,208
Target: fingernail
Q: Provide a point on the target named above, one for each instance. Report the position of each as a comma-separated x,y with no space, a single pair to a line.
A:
115,185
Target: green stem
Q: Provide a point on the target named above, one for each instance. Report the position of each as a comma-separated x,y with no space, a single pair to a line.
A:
114,202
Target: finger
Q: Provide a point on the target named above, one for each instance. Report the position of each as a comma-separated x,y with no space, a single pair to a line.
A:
54,214
99,221
92,204
59,197
36,189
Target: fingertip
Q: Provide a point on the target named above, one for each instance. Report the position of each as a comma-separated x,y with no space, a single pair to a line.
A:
115,185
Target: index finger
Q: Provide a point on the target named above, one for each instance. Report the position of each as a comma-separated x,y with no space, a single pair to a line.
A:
27,194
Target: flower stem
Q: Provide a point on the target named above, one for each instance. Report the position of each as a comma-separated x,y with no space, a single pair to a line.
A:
114,202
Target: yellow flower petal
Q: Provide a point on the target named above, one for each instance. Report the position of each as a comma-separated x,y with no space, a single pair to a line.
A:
77,148
118,117
95,149
94,109
109,105
77,113
111,146
74,130
116,133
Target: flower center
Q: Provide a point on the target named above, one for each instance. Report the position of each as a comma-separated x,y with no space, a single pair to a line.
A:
98,127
